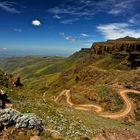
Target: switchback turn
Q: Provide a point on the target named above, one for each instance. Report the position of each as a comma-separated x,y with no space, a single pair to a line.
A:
98,109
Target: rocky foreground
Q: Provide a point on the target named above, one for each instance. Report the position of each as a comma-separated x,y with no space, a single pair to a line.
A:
10,117
117,134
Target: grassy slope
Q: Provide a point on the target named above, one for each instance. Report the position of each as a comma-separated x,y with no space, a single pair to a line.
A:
36,71
28,67
52,75
69,122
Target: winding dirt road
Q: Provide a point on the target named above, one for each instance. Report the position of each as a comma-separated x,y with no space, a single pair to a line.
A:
98,109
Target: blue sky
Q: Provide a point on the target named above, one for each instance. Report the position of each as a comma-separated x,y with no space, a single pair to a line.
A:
61,27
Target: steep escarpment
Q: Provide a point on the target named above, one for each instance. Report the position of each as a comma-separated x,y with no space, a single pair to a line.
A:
127,48
126,44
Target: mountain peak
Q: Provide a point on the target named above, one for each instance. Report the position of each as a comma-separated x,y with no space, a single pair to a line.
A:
127,38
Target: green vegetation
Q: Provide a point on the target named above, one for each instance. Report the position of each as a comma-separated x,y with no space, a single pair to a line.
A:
91,79
62,118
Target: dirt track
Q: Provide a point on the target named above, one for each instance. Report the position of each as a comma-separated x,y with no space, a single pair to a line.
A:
98,109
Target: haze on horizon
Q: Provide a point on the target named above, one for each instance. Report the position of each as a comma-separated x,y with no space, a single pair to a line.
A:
59,27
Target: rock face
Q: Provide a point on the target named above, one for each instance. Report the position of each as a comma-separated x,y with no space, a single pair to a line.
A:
4,99
126,44
10,117
9,80
127,48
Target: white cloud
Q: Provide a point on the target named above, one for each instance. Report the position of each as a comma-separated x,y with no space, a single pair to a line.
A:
56,17
36,23
74,11
115,11
87,9
9,7
118,8
132,20
135,19
84,35
67,37
117,30
3,48
69,21
121,7
18,30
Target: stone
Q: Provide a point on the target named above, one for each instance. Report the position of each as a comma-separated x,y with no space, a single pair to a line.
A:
10,117
9,80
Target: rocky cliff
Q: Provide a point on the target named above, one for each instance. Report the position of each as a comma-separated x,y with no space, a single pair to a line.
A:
127,48
126,44
9,80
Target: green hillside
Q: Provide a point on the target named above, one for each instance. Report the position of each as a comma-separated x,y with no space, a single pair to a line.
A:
91,78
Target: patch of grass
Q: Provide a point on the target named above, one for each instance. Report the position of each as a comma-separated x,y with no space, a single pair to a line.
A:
103,92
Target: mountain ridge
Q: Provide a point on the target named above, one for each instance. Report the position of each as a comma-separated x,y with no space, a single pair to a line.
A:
92,78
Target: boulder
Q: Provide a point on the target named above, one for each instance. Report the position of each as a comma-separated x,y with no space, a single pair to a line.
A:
4,99
29,121
10,117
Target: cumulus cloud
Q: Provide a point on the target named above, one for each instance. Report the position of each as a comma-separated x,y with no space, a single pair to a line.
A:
9,7
67,37
36,23
117,30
